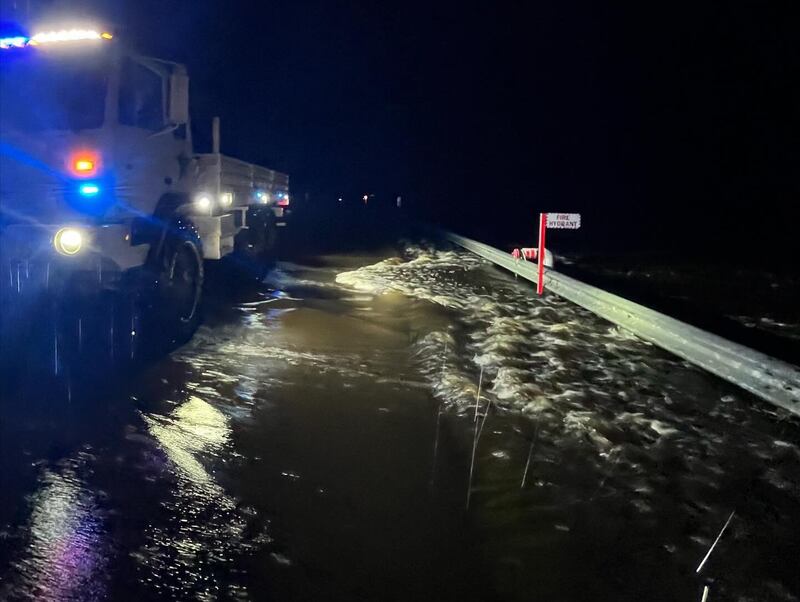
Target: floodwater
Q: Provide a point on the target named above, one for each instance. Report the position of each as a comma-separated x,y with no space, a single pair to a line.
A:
320,439
755,306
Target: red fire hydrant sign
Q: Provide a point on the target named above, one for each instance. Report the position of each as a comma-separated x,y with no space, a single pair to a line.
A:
559,221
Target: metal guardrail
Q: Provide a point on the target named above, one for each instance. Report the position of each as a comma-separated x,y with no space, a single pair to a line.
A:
770,379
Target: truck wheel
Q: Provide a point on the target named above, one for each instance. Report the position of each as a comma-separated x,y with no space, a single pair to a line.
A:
179,289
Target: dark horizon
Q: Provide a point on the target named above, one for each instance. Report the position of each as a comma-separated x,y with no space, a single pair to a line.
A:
668,130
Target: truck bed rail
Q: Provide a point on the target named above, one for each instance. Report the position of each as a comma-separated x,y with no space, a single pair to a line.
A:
220,172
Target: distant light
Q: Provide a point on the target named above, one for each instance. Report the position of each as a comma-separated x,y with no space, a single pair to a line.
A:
283,201
262,196
84,165
13,42
68,241
65,35
89,189
203,203
226,199
106,36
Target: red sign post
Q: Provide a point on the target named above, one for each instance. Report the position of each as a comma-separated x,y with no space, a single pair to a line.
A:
542,230
560,221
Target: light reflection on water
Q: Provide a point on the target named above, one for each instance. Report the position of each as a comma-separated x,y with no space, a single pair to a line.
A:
67,551
203,531
195,427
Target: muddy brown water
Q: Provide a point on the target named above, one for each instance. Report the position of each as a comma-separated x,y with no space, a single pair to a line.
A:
314,442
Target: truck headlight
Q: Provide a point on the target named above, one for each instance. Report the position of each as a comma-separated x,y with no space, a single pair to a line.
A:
68,241
203,203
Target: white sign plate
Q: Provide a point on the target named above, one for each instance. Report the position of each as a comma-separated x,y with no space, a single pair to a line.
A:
564,221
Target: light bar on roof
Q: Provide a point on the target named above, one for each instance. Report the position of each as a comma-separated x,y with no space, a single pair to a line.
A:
13,42
51,37
67,35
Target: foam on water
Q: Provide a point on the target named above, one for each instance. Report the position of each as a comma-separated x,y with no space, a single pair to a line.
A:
532,350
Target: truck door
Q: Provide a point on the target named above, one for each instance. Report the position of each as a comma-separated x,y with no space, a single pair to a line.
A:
149,153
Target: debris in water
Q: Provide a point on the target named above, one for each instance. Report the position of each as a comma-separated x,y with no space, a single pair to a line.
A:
436,445
530,454
280,559
438,421
478,396
716,541
605,478
478,432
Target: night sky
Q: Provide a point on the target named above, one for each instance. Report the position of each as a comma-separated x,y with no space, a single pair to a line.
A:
665,127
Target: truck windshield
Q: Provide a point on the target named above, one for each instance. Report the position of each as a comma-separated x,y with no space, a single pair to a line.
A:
53,93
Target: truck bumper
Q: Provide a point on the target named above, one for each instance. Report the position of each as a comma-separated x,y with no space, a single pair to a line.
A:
36,280
29,259
57,308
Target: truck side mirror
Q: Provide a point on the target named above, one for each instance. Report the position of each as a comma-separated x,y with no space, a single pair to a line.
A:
178,110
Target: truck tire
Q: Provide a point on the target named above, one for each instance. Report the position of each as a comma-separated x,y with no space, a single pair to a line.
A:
176,311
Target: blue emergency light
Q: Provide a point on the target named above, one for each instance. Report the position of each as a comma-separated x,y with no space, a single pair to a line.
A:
13,42
89,189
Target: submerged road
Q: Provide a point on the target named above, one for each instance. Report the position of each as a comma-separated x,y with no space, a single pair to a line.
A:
319,439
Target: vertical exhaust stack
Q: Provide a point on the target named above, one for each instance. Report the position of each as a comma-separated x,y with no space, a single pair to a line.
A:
215,144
